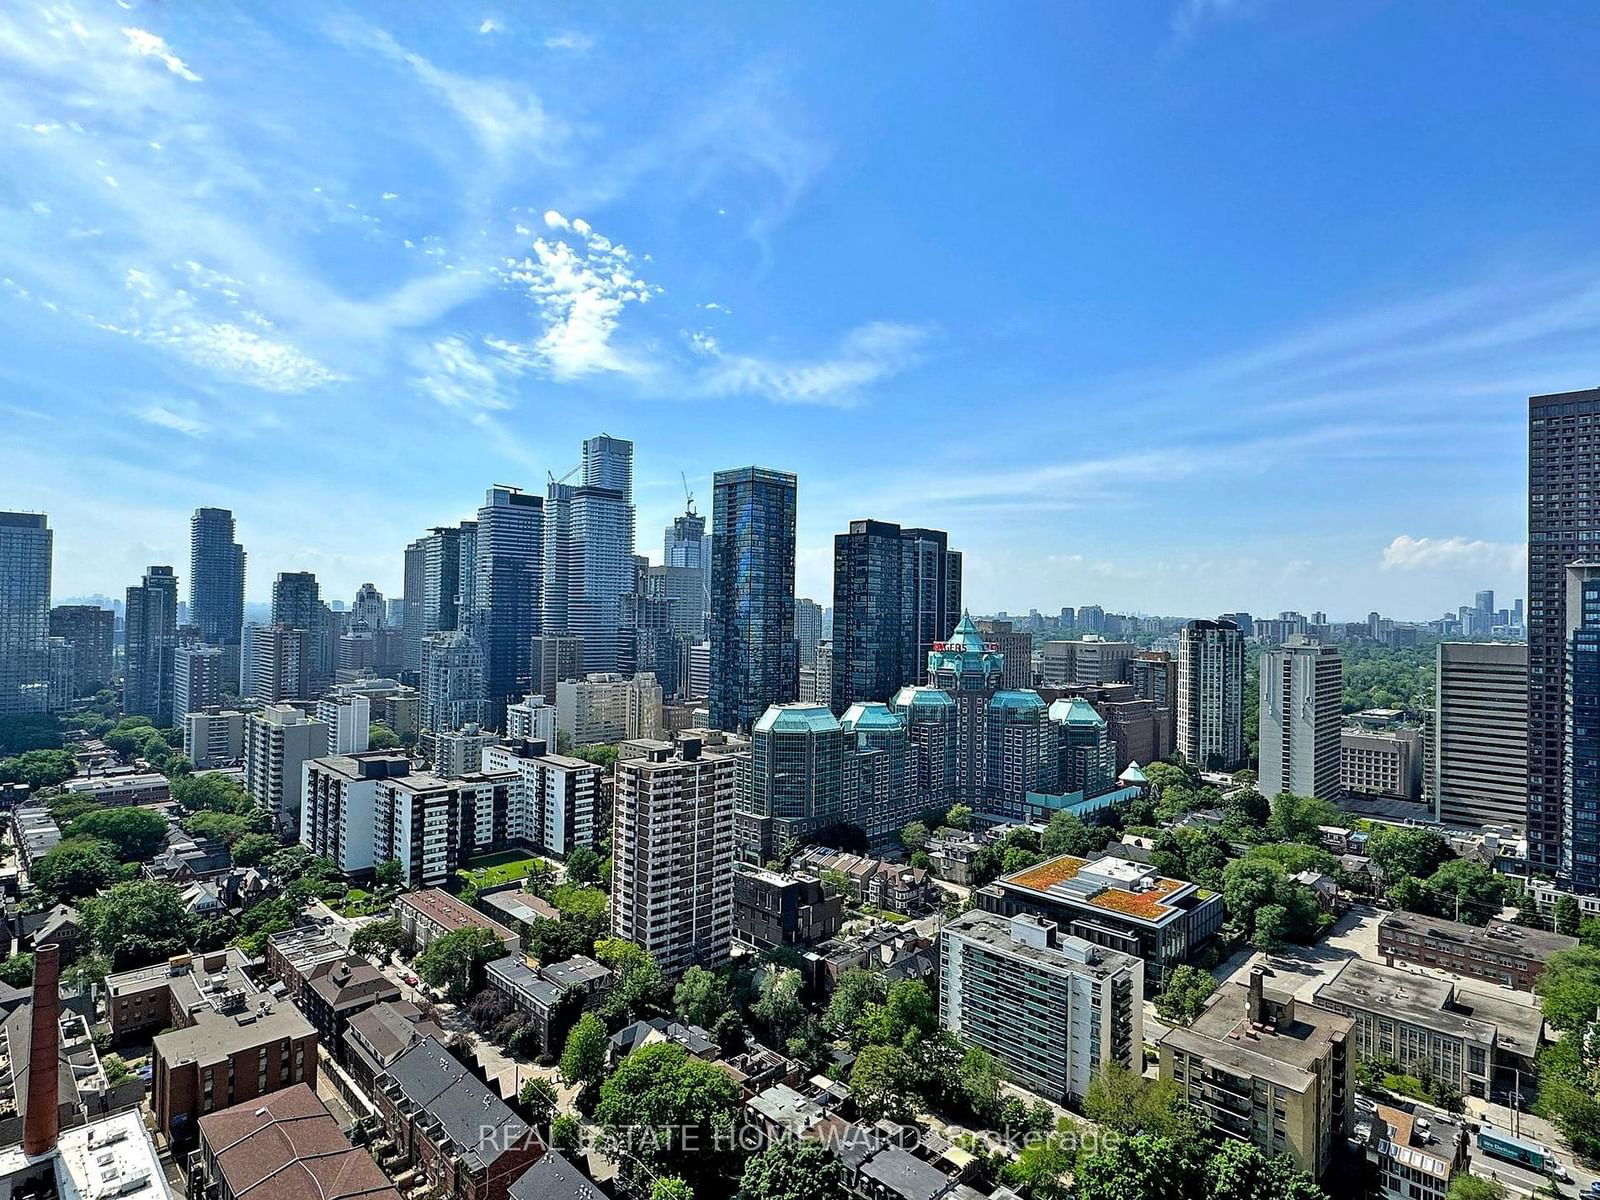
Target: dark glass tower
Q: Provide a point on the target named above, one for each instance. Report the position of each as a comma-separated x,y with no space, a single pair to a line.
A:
509,576
152,638
216,584
755,661
895,593
1563,526
1580,833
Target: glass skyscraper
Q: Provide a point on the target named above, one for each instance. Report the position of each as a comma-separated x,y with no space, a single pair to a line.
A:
1580,832
1563,526
216,584
510,545
25,551
152,639
588,555
895,593
755,662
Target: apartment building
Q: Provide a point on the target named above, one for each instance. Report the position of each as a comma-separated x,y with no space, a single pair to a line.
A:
553,809
431,913
1268,1069
1384,763
1056,1010
672,850
213,737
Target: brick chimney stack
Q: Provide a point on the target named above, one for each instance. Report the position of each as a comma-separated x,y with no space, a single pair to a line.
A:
42,1118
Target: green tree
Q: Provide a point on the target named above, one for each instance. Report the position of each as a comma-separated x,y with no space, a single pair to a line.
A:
137,833
959,817
380,936
211,793
538,1100
583,866
1473,1187
454,961
675,1113
794,1169
1143,1165
853,993
1185,994
1397,851
779,1007
17,970
224,827
671,1187
701,997
1568,917
74,869
905,1017
1067,834
882,1082
1270,927
1239,1171
638,987
1569,989
1589,932
39,769
979,1077
381,737
566,1134
1130,1104
583,1060
600,756
389,874
730,1033
914,836
137,922
1468,891
1297,818
1040,1169
253,849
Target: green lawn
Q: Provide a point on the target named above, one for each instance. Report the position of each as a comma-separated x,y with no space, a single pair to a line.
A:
491,870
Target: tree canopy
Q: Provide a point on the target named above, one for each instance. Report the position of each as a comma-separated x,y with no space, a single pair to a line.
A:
674,1113
454,961
794,1169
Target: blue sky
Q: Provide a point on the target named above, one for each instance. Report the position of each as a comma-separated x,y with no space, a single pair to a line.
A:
1178,306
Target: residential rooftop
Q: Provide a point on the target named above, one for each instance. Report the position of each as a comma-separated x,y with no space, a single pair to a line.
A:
287,1146
1286,1053
479,1126
1030,939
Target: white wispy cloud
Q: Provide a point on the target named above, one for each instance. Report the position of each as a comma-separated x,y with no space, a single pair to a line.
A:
490,25
569,41
1407,553
157,414
451,371
864,357
149,45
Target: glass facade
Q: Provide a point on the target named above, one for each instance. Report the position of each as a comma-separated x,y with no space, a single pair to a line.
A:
216,581
152,639
754,657
509,570
1580,834
25,552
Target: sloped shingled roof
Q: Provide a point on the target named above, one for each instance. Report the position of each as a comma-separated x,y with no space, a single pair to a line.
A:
288,1147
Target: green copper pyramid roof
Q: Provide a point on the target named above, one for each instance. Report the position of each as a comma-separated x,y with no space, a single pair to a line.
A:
871,716
964,653
1075,711
1132,773
796,718
921,697
1017,700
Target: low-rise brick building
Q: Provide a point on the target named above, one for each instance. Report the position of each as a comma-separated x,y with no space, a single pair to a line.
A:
1511,955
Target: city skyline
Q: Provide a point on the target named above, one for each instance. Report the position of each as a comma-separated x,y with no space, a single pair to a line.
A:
236,292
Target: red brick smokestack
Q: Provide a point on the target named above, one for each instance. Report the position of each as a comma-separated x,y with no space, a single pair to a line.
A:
41,1120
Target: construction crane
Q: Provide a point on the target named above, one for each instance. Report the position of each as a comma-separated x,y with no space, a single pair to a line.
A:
688,496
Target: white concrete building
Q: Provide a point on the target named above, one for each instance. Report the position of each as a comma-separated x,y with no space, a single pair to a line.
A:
553,806
348,718
1301,714
531,720
213,738
1054,1008
278,740
593,710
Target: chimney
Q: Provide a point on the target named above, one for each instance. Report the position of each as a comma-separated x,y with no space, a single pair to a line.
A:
1255,1011
42,1118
